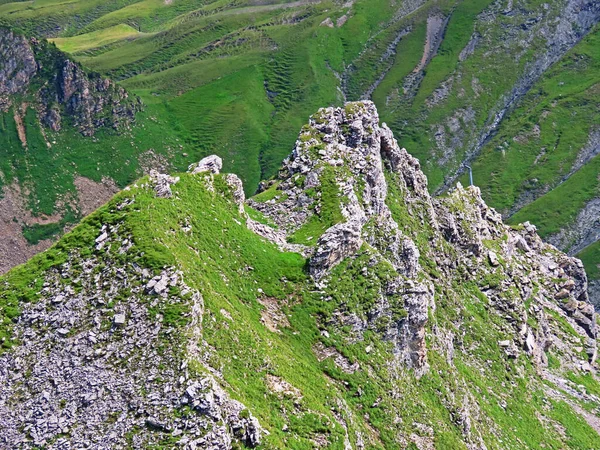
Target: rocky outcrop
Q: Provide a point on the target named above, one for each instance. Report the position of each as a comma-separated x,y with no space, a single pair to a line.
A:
341,166
338,243
337,168
18,66
162,183
212,164
35,72
100,362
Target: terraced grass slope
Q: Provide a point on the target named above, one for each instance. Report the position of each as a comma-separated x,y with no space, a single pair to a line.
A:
454,79
160,322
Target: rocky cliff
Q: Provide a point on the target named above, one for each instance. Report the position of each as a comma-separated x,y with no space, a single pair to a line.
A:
34,73
341,307
69,139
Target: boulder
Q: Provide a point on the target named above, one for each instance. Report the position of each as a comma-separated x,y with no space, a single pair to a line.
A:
212,164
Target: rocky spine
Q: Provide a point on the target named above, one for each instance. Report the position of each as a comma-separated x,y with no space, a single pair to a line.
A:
100,357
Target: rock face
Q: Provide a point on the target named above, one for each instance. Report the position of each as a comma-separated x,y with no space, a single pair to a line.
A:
337,170
85,377
18,66
43,77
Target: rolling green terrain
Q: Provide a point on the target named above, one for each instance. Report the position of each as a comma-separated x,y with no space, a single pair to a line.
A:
510,86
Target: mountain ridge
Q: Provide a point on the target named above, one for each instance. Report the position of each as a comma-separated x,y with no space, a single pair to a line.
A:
238,78
404,322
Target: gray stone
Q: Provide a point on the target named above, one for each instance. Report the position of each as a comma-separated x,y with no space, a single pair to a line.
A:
493,258
119,320
211,164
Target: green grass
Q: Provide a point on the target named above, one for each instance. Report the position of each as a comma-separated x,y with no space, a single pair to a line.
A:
214,257
48,172
560,207
330,212
234,118
590,256
95,39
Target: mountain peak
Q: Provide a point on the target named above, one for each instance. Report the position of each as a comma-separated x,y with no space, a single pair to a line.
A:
181,313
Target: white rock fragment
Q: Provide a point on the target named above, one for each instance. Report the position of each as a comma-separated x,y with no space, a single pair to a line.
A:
212,164
119,320
101,238
493,258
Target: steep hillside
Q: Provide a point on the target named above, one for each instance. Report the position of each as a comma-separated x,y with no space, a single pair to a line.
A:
460,82
42,78
69,139
543,164
341,307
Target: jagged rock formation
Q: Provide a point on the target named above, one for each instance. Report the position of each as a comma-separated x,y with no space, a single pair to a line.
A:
35,72
170,318
86,360
348,149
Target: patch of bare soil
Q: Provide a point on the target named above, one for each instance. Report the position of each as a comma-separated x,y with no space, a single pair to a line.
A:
435,31
272,316
20,127
92,194
14,248
322,353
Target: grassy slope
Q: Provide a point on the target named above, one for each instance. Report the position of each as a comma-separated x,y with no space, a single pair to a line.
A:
47,172
538,144
590,256
94,39
379,403
209,63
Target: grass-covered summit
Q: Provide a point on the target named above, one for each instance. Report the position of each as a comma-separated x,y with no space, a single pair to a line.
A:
177,315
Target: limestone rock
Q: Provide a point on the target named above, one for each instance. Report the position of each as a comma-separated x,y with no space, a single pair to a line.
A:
212,164
162,183
338,242
493,258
